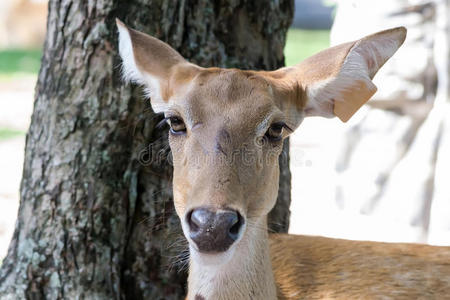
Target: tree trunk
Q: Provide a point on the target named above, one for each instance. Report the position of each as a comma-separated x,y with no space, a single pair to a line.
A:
96,219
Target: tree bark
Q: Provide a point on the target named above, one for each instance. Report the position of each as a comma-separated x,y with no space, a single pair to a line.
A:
96,219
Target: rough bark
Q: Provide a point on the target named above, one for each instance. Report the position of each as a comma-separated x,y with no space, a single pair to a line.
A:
96,219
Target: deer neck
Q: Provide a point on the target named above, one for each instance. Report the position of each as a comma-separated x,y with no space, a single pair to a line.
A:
247,274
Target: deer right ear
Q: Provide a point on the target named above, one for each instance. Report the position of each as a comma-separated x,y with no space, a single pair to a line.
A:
151,62
336,81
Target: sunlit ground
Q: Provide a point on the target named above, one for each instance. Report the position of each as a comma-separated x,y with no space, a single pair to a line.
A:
18,72
313,158
313,153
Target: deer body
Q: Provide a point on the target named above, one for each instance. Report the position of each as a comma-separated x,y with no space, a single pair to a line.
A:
227,128
307,267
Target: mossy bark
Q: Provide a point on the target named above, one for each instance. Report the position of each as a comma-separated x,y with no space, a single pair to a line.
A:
96,219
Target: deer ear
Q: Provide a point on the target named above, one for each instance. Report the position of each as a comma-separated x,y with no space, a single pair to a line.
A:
337,81
151,62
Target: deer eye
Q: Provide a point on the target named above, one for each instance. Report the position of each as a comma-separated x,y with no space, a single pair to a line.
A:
275,132
176,124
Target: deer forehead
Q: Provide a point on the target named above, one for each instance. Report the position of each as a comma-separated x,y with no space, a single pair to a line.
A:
222,100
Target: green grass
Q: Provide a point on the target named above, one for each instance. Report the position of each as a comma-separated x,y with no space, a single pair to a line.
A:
17,63
304,43
7,133
20,61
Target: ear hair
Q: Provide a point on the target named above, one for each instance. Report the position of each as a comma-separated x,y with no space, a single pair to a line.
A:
151,62
129,69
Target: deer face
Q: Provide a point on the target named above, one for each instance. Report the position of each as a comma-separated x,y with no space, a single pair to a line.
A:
227,126
226,136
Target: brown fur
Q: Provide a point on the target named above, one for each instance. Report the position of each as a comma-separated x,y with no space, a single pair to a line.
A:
308,267
227,113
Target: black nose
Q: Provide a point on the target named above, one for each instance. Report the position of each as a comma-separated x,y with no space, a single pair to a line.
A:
214,231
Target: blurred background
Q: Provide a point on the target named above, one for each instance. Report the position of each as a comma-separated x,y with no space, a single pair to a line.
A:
379,177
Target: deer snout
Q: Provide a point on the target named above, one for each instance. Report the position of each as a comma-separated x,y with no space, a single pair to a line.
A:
214,231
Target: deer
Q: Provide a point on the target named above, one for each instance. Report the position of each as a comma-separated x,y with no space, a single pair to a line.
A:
226,131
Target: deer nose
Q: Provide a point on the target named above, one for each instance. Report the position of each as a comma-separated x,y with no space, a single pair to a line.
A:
214,231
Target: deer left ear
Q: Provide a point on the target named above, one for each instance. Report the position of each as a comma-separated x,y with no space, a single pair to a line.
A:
153,63
337,81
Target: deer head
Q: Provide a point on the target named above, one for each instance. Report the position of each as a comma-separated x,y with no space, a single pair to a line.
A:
227,126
